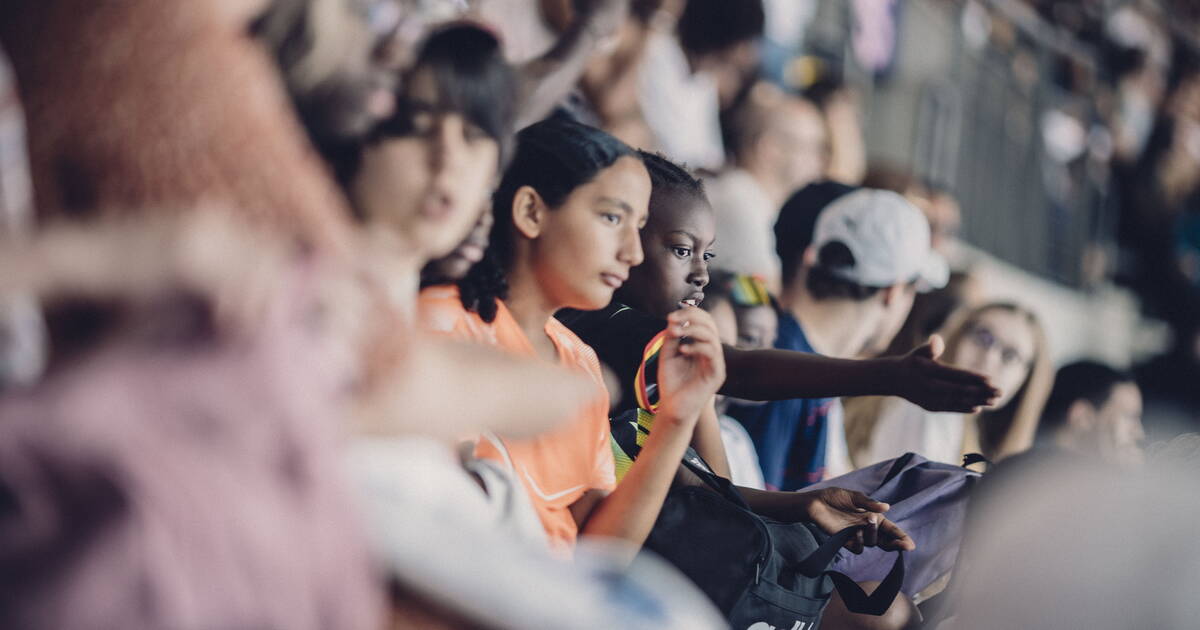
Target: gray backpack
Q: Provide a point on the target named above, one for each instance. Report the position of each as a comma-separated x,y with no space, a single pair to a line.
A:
928,501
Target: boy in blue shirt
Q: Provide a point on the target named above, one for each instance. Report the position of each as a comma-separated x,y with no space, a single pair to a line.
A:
853,290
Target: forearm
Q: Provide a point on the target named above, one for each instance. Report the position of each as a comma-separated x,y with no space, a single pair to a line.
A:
707,441
786,507
784,374
630,510
546,80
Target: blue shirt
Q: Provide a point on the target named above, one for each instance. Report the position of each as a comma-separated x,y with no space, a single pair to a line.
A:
789,435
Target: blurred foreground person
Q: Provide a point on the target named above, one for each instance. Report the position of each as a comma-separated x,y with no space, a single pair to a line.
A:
179,450
149,106
1130,566
189,437
22,335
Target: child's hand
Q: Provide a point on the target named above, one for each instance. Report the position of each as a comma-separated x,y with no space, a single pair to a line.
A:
834,509
691,364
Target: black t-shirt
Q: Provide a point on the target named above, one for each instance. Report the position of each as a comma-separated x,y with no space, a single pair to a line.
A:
618,334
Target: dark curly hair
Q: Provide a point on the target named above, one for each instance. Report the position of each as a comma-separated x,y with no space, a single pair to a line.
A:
554,157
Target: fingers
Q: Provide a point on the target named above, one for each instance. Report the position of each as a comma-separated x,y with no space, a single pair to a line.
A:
855,544
932,349
936,346
892,538
970,398
877,531
956,404
950,374
698,332
950,389
870,530
695,332
854,508
862,501
688,318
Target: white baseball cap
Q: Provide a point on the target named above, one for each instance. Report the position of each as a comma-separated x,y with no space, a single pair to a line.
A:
888,237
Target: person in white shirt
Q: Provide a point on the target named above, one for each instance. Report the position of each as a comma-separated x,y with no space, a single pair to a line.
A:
685,76
1003,341
779,145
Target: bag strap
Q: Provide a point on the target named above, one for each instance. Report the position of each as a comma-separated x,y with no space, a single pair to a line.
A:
856,600
970,459
814,565
693,462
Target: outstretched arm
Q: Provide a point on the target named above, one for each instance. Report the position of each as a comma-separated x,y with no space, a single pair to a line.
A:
916,376
690,370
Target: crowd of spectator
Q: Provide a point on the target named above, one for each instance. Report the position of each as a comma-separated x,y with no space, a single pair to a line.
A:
438,313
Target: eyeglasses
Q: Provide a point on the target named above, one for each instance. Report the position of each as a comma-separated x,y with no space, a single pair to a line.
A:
983,337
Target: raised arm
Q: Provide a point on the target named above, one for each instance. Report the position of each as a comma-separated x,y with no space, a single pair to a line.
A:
689,374
916,376
546,80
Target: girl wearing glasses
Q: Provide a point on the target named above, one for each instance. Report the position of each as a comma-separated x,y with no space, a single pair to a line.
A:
1002,341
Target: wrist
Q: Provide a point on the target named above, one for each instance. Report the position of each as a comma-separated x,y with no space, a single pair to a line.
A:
673,414
802,506
890,374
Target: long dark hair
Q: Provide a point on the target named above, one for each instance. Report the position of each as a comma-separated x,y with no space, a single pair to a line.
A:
554,157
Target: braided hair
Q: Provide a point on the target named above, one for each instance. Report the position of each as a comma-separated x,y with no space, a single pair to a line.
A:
554,157
668,178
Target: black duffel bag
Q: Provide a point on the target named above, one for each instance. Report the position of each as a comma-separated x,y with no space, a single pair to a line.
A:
756,570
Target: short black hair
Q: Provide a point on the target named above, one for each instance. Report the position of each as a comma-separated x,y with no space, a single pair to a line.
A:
1083,380
669,180
709,26
798,220
824,283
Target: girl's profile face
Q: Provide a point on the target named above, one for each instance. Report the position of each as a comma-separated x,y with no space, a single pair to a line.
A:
587,246
678,241
427,187
999,344
757,327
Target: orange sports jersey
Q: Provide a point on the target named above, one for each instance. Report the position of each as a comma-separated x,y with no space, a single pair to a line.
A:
556,468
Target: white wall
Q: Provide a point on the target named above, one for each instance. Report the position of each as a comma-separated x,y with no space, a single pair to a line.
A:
1102,324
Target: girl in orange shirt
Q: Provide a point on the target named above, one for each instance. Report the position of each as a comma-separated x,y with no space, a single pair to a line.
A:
567,215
